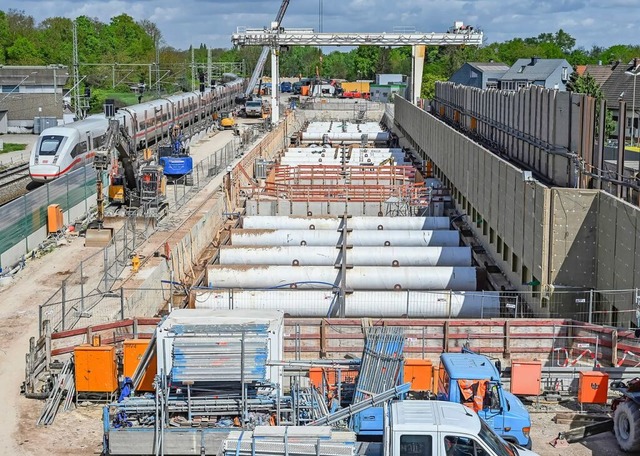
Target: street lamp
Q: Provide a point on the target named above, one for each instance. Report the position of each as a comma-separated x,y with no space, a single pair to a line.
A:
633,72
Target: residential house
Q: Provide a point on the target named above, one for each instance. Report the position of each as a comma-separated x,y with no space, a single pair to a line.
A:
549,73
483,75
600,73
623,85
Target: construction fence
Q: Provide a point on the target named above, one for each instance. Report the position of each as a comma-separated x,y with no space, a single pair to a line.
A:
23,221
87,293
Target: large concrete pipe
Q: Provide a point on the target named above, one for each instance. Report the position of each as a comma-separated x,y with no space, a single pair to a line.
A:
337,136
374,304
357,278
329,222
387,238
357,256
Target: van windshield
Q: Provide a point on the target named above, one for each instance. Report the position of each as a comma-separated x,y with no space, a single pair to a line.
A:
254,104
494,441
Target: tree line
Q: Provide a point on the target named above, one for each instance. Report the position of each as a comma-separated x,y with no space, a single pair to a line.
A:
126,41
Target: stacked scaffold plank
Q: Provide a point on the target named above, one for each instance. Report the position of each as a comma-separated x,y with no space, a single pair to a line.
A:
291,440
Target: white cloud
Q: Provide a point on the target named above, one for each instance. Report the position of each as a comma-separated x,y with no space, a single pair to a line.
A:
191,22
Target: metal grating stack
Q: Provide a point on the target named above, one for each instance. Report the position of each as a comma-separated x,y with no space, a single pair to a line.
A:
291,440
381,361
222,357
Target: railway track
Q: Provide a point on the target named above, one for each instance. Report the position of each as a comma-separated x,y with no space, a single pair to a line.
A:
13,182
14,174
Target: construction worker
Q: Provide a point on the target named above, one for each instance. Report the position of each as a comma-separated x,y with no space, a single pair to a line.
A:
176,137
334,404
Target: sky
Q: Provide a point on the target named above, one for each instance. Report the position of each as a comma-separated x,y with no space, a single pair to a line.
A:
211,22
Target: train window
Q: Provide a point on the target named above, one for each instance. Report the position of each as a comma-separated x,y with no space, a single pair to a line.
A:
81,148
142,126
165,117
98,141
49,145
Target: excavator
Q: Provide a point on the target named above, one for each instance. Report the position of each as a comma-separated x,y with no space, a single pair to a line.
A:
133,185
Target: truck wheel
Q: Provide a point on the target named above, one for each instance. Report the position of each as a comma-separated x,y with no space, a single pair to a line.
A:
626,425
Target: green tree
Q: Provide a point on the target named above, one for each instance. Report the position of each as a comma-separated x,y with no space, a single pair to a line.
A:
428,89
55,38
586,84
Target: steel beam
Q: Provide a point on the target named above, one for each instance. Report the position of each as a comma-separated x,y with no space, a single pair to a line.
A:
356,223
358,256
358,278
386,238
282,37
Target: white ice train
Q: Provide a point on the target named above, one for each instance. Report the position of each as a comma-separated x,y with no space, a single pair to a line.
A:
62,149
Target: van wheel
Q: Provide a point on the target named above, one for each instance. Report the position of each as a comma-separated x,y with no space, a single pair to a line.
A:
626,425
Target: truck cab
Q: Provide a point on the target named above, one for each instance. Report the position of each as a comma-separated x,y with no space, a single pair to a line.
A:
473,380
436,428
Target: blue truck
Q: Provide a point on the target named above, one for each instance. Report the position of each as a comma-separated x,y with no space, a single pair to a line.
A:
473,379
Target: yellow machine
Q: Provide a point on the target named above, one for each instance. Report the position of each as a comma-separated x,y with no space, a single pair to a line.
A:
227,121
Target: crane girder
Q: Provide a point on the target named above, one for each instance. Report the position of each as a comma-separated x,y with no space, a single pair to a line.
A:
282,37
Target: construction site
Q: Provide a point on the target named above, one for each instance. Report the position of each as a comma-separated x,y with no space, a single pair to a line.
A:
337,279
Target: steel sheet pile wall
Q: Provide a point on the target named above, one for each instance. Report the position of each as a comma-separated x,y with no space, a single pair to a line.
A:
548,131
490,191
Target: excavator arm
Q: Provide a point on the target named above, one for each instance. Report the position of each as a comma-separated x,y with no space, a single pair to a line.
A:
119,146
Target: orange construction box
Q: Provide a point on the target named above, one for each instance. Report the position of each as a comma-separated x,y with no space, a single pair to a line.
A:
420,373
346,376
96,369
593,387
526,377
133,350
55,219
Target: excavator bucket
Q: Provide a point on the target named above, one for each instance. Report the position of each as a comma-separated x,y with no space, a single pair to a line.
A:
98,237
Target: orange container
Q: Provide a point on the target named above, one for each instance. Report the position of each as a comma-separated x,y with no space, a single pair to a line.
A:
96,369
525,377
593,387
132,352
331,375
420,373
55,220
304,91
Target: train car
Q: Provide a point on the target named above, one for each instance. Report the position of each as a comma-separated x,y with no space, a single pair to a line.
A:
60,150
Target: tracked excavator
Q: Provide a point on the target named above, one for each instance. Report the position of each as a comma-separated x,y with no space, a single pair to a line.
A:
137,185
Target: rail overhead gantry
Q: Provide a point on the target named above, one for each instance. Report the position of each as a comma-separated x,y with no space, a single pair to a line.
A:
276,37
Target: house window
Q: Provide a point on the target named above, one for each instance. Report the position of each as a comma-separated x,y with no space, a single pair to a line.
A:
492,84
521,70
565,73
473,75
521,85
